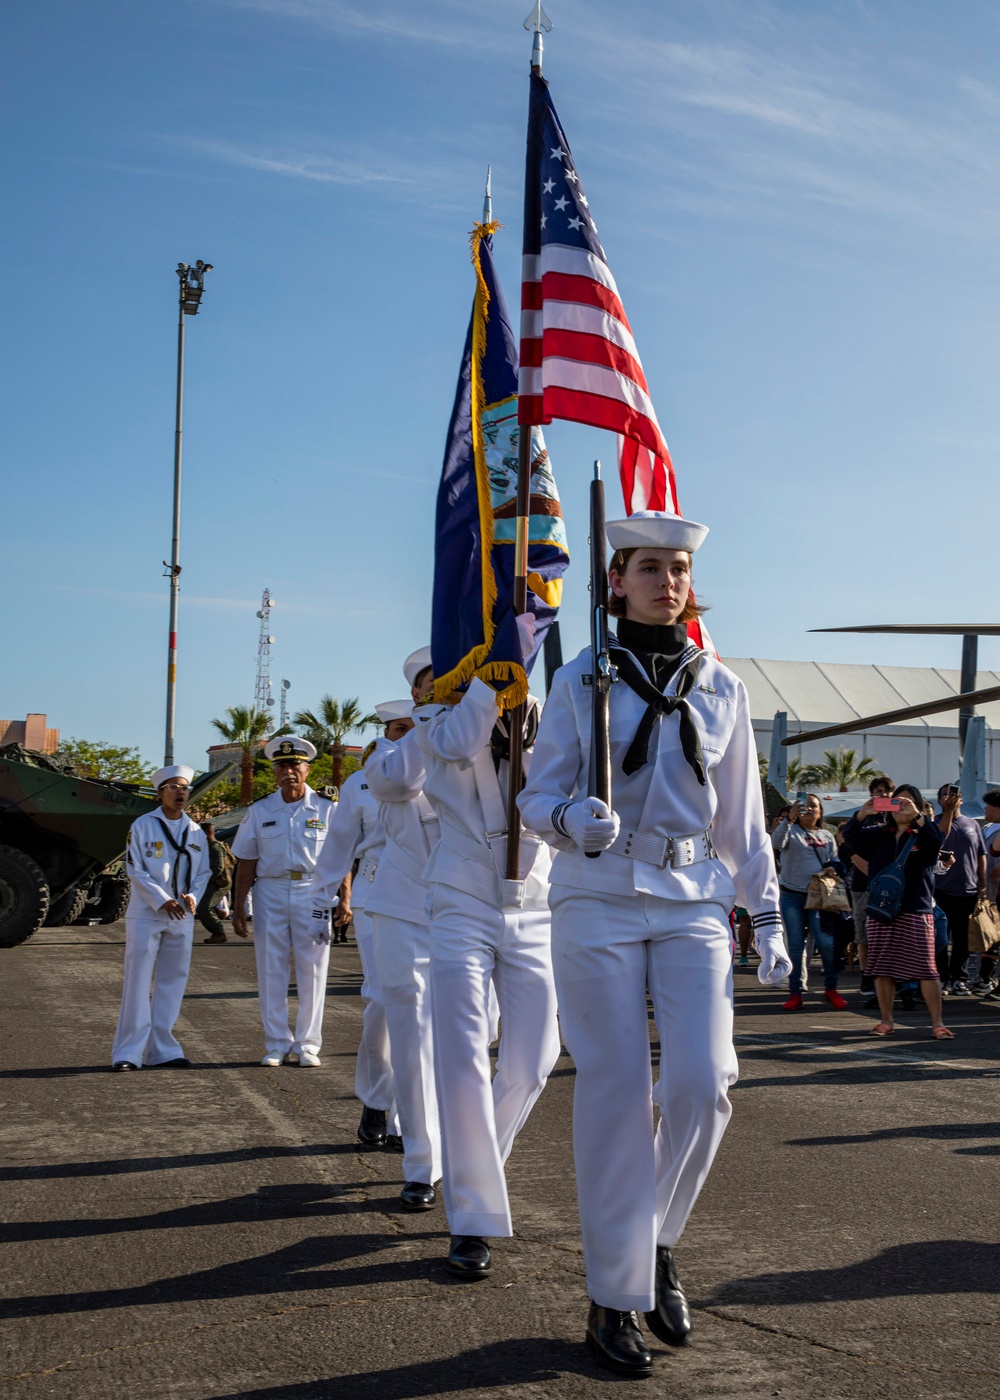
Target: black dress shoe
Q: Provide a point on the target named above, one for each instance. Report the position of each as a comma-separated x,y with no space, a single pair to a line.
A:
393,1143
371,1129
670,1320
418,1195
181,1062
120,1066
614,1340
469,1256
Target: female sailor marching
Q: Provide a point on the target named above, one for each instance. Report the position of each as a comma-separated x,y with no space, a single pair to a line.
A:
684,843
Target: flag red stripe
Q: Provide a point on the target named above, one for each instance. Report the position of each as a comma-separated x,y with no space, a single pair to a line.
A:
531,296
563,286
591,350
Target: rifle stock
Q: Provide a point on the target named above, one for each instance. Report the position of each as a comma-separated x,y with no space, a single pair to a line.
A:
599,784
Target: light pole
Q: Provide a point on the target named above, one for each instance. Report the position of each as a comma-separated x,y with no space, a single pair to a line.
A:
192,280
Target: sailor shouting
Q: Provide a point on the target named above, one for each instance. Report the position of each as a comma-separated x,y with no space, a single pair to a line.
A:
168,870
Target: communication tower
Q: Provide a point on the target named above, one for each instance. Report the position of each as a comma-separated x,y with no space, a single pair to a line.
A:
283,716
263,699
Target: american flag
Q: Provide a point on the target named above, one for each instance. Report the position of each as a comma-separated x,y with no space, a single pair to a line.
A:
578,357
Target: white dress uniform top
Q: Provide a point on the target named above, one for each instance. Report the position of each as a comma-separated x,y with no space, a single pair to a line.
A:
285,839
157,947
484,927
356,835
401,939
622,923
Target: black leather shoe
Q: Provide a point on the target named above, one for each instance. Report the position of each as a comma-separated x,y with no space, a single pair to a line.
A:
670,1320
181,1062
393,1143
469,1256
120,1066
371,1129
616,1343
417,1195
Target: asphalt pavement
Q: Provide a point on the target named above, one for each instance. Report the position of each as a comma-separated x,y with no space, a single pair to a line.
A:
218,1233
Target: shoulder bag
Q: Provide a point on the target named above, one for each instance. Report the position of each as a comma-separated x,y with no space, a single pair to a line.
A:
885,890
827,891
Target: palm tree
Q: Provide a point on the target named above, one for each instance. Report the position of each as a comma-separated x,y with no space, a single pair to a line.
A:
329,726
246,727
843,769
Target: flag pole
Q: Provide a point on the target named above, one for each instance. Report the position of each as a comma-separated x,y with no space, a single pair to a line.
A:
536,22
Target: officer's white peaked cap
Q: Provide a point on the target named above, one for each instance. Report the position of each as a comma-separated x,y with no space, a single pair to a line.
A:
174,770
655,529
394,709
290,746
414,664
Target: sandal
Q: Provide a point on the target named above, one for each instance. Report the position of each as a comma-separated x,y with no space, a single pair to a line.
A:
941,1033
882,1028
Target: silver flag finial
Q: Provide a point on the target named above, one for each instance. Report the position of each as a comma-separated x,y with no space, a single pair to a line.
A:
538,20
488,201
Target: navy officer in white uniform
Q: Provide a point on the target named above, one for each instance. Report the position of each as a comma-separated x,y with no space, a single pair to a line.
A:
487,931
168,871
277,845
356,838
685,841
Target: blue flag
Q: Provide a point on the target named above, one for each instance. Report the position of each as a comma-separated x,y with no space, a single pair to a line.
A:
473,630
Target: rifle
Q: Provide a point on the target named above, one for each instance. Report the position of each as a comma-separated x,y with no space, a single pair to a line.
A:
599,784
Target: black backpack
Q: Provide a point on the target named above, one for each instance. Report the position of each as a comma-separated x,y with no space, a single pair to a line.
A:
885,890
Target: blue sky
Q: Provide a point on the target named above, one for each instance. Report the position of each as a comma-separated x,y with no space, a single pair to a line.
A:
799,202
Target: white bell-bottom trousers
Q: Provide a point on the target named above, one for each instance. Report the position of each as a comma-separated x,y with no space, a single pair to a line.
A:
373,1081
402,961
285,932
473,943
636,1189
157,950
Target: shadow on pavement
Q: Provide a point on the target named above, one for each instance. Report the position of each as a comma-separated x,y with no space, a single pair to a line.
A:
520,1361
122,1166
928,1267
946,1132
310,1265
292,1202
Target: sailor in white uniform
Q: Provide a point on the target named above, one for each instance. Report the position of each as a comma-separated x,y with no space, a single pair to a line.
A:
486,931
168,870
277,845
356,837
401,940
685,841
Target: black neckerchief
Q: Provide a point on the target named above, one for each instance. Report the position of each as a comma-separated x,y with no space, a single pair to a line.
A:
182,850
500,738
660,650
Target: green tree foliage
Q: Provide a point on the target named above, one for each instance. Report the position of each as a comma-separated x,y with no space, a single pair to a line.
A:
227,796
332,722
108,761
842,770
246,727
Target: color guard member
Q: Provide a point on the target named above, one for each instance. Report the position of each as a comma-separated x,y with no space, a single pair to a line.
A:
685,842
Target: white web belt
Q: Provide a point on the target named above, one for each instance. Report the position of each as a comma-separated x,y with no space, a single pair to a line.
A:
661,851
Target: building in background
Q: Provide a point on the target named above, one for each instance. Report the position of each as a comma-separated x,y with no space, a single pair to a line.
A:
819,693
32,733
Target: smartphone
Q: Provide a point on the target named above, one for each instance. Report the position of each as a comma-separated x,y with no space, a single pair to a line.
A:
954,791
801,798
885,804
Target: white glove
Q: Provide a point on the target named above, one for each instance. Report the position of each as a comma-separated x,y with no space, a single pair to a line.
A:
775,964
525,633
590,823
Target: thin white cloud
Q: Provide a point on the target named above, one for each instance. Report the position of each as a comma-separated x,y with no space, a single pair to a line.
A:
303,164
460,26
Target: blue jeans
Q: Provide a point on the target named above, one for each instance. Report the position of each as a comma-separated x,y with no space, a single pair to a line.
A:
794,915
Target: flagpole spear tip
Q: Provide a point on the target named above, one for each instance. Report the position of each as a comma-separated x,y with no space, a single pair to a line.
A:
538,20
597,471
488,201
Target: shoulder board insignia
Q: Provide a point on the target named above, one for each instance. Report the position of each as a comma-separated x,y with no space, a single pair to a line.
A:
364,787
587,680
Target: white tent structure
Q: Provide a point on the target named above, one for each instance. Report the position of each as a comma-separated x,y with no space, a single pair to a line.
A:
819,693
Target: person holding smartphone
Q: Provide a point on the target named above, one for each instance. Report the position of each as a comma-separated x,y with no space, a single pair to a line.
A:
902,950
805,848
959,885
